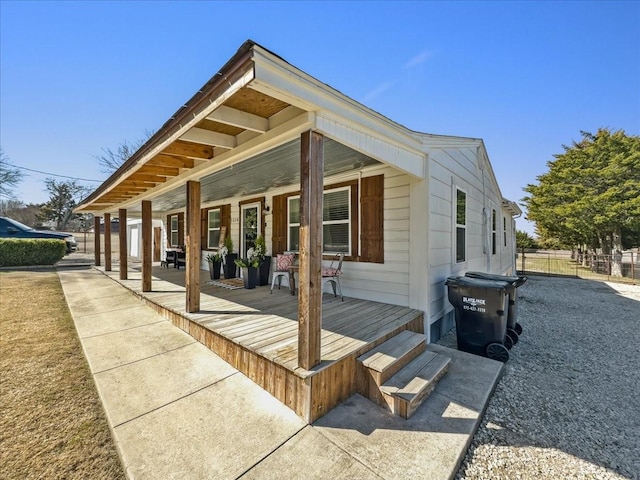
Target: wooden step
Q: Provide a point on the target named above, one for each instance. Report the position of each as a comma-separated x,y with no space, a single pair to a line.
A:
387,359
405,391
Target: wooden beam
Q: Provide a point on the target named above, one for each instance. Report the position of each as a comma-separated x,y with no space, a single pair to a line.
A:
107,242
147,178
189,149
122,236
172,161
238,118
162,171
207,137
192,281
127,189
147,250
138,183
310,291
96,240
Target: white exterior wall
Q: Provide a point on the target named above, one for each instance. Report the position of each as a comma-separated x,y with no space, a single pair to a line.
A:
388,282
460,168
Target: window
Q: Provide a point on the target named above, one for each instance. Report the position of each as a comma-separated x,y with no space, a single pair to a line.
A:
213,228
174,238
504,230
336,221
461,226
494,231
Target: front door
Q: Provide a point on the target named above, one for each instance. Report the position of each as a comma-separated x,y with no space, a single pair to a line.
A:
250,221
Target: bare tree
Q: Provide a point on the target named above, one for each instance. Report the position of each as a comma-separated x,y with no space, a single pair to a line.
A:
9,177
110,160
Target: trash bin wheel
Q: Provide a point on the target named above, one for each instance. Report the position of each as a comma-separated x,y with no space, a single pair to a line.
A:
508,342
513,335
497,351
518,328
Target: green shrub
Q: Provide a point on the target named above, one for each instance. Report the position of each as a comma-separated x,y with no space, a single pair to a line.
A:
16,252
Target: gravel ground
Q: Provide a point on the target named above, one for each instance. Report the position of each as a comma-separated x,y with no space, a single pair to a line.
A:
568,405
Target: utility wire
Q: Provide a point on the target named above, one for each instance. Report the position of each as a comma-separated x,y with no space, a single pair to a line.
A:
54,174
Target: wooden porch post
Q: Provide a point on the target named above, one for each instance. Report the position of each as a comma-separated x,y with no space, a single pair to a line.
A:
310,291
107,242
192,281
146,245
96,239
122,236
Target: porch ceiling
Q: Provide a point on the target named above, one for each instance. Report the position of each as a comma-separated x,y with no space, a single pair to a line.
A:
278,167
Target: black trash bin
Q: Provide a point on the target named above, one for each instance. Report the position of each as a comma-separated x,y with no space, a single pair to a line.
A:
481,315
514,329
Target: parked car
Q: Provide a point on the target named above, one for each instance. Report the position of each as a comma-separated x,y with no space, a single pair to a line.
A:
13,229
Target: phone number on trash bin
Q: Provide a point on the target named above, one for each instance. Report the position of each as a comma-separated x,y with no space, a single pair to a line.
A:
473,304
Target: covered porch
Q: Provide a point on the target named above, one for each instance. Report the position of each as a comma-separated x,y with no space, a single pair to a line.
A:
257,332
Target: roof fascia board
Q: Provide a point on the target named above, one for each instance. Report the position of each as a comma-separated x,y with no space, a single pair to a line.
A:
511,206
447,141
370,143
283,133
281,80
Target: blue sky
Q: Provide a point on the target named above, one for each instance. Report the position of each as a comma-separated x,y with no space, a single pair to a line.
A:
526,77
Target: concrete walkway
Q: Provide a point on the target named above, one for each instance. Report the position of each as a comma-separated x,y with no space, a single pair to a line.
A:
177,411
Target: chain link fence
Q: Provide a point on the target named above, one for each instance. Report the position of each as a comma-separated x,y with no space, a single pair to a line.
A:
623,267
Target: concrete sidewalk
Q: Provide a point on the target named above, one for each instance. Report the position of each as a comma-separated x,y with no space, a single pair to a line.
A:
177,410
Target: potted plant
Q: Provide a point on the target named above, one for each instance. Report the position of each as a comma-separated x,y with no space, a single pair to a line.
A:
249,266
265,261
228,257
215,262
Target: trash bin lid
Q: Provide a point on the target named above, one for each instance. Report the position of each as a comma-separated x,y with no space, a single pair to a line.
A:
515,281
476,282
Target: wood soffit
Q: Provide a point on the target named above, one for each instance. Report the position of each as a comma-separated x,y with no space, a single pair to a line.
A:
246,109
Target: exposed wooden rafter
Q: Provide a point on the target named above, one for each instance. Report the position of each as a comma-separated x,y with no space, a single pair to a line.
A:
137,176
238,118
207,137
172,161
163,171
189,149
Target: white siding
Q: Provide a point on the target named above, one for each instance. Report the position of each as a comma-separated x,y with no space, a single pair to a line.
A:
459,167
388,282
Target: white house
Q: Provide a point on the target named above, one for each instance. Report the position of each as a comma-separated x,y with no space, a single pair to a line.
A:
415,207
408,209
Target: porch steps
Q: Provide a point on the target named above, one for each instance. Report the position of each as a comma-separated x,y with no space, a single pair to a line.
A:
401,373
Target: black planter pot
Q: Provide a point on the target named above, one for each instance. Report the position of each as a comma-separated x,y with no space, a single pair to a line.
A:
230,266
265,267
250,276
214,269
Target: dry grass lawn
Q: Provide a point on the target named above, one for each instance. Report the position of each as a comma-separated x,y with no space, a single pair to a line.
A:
52,424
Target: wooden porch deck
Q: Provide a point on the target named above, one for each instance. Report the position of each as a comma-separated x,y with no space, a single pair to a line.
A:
257,333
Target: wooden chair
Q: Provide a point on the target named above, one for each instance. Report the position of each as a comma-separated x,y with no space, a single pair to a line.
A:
332,274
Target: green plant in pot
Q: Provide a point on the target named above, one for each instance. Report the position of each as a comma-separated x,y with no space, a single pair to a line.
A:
260,250
249,266
228,258
215,262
